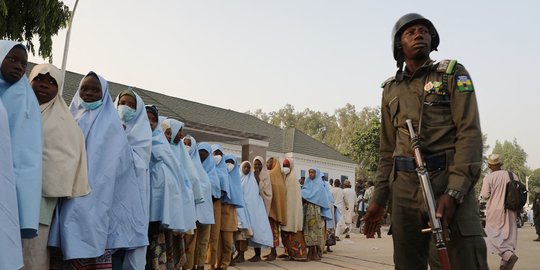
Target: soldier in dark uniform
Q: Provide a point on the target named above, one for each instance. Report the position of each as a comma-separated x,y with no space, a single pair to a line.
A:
440,100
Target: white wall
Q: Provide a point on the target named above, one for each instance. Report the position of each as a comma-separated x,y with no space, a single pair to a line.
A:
334,168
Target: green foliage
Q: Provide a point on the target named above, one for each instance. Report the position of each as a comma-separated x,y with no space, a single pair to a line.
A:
365,147
513,157
21,20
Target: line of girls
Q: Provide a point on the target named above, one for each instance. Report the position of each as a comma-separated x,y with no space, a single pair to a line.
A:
103,184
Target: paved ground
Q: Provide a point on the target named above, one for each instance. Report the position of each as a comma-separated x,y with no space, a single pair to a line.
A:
376,254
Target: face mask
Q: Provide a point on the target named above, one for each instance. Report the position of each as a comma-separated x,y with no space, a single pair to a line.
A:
126,113
188,148
286,170
230,167
91,105
217,159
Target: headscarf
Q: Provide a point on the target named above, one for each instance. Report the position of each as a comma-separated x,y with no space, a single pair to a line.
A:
184,158
26,135
210,167
205,210
221,170
315,192
10,240
129,214
295,217
82,225
255,211
236,197
64,152
265,186
278,209
168,188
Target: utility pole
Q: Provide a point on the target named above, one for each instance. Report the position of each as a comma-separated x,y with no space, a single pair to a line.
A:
66,47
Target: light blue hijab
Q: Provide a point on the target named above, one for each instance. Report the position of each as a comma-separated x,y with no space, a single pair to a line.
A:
82,225
332,213
129,215
236,197
255,211
168,189
24,117
223,175
210,167
10,240
205,210
184,159
315,192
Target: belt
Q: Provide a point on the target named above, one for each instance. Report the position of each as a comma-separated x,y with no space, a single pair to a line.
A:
435,162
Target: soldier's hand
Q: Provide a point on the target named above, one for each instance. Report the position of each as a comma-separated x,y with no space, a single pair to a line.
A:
372,218
446,207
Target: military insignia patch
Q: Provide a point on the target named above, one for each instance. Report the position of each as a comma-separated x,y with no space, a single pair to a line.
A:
464,83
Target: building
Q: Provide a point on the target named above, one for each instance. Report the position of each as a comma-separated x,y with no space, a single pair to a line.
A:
241,134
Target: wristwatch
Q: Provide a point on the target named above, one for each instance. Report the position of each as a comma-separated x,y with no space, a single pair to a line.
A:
457,195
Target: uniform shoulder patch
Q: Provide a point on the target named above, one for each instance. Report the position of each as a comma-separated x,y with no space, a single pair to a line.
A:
464,83
389,80
446,66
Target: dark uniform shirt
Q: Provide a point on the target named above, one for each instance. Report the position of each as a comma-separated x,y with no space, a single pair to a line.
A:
450,124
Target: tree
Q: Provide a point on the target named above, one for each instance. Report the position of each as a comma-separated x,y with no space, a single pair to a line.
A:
284,117
365,145
260,114
21,20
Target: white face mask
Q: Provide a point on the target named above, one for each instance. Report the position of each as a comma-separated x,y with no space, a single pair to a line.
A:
286,170
188,148
230,167
217,159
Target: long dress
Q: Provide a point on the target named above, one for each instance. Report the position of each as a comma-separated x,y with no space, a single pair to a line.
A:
316,206
501,226
292,234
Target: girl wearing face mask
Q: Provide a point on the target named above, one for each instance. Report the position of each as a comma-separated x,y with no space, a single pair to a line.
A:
215,231
197,244
292,236
134,205
233,215
82,227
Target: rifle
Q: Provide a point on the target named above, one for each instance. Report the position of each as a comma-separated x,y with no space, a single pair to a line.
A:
429,198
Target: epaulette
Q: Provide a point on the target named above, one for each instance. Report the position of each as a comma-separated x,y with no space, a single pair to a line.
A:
446,66
389,80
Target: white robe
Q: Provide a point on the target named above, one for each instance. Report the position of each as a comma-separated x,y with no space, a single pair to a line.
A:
350,202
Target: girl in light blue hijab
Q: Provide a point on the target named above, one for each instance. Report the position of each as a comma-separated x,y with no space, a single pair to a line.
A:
315,202
24,119
82,226
130,211
196,245
221,170
183,157
10,240
168,189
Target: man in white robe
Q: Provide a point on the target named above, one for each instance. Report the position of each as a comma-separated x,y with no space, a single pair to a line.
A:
339,202
350,202
501,226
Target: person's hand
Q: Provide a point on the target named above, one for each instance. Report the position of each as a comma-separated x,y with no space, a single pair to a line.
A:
372,218
446,207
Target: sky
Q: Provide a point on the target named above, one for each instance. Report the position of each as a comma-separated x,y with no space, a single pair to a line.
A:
252,54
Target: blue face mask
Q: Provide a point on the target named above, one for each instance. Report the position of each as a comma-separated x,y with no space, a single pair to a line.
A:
91,105
126,113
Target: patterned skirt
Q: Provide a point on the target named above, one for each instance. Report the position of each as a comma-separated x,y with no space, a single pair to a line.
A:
313,230
294,244
166,250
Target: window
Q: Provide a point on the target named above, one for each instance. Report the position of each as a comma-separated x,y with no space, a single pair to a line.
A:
343,178
302,173
325,176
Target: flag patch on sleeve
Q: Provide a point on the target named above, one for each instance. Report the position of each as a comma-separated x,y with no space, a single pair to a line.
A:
464,83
